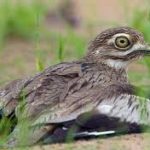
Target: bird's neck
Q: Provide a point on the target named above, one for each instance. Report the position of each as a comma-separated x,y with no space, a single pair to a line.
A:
110,70
112,63
116,64
114,72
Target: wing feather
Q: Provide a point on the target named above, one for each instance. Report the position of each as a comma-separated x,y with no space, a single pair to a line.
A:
126,108
53,79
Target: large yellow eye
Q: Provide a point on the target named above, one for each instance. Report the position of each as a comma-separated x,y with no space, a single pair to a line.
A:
122,42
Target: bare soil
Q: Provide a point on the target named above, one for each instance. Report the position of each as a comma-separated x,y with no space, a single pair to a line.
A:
126,142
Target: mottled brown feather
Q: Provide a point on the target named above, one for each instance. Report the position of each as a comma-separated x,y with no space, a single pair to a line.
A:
64,91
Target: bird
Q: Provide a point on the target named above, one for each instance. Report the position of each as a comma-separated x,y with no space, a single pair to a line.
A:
95,85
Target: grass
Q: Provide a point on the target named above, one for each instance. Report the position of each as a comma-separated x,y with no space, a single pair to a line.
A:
20,18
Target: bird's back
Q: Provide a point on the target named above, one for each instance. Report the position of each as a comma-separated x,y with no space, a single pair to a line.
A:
49,82
56,84
60,95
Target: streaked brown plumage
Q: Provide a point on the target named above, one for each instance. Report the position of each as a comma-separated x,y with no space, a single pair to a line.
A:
64,91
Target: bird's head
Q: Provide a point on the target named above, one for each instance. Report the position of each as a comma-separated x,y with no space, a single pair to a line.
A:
117,47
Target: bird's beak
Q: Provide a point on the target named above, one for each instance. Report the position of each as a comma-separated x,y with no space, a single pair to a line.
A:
145,51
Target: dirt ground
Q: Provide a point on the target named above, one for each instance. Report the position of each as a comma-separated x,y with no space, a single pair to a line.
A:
126,142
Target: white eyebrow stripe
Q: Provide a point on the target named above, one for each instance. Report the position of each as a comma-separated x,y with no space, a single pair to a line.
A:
112,40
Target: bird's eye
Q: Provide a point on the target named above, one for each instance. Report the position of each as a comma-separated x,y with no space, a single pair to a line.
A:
122,42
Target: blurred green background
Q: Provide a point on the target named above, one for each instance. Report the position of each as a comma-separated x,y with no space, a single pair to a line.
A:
35,34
